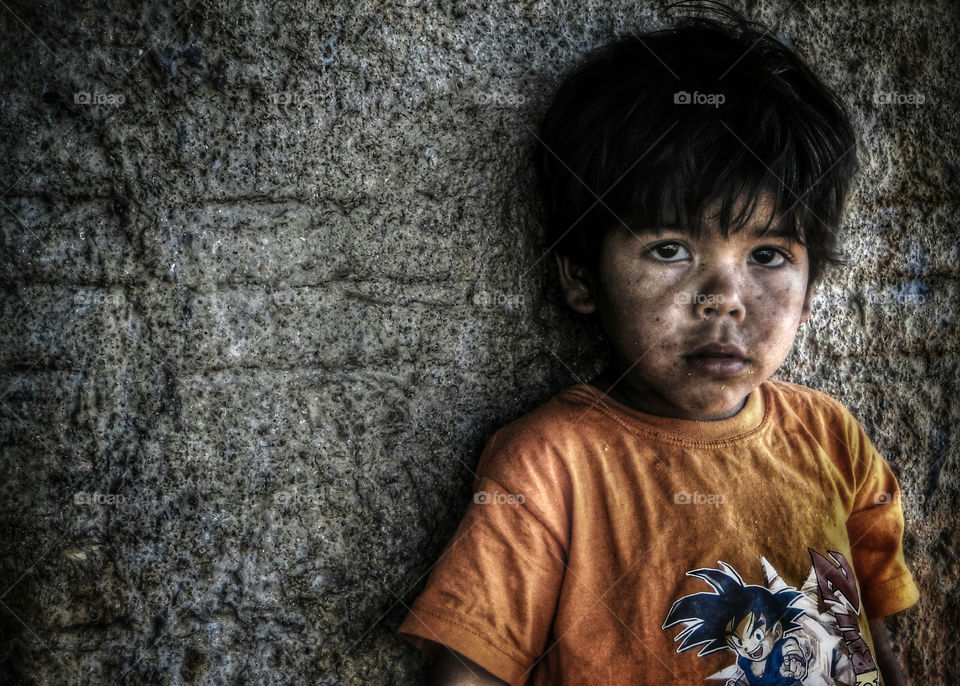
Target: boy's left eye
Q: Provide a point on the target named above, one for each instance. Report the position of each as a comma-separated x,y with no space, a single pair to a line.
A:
669,252
768,257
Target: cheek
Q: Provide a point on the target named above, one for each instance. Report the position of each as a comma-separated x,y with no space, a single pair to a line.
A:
777,295
641,306
782,306
785,292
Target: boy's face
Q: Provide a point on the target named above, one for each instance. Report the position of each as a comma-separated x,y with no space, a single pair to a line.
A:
694,325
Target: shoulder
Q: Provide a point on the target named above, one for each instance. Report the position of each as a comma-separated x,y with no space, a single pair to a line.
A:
540,457
542,445
566,418
787,397
801,411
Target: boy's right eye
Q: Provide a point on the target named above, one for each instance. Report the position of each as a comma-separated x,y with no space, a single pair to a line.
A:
668,252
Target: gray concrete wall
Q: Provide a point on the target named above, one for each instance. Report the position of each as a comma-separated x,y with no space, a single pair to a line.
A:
266,295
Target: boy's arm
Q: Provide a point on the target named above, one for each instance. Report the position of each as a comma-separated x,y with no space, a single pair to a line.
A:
450,668
887,662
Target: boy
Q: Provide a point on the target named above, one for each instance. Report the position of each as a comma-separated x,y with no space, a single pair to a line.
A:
683,516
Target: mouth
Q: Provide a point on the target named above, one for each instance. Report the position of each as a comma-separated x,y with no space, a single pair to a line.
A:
718,359
758,652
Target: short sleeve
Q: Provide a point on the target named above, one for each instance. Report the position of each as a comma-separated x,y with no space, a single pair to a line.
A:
875,529
493,593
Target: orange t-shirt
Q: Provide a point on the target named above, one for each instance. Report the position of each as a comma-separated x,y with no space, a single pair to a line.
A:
608,546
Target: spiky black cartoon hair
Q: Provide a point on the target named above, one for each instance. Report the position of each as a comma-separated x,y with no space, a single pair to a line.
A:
709,614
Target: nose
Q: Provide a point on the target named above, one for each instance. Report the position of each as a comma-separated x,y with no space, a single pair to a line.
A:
720,295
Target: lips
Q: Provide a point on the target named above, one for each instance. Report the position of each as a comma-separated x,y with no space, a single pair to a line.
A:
718,359
720,350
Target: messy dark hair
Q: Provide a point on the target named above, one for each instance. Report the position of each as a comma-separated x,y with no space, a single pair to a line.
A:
653,131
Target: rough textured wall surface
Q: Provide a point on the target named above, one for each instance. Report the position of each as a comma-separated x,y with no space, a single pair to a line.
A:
271,275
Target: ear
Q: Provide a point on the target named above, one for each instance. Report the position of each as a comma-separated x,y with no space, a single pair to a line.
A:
807,303
578,285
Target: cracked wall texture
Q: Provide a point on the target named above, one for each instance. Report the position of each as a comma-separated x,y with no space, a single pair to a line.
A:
268,288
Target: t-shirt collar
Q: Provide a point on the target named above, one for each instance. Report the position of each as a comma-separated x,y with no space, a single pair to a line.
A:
748,419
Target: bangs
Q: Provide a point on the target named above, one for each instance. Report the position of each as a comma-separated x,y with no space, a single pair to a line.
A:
709,173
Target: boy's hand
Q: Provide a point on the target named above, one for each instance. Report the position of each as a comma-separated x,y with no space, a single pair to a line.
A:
887,662
453,669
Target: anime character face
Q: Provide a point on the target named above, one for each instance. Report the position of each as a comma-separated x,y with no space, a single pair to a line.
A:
752,638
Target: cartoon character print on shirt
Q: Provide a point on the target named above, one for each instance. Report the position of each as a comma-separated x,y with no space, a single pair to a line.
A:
777,633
